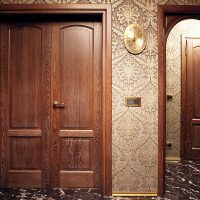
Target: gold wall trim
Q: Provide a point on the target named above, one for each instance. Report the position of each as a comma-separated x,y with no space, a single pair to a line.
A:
130,194
173,159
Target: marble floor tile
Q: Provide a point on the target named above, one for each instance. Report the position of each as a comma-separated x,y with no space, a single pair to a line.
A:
182,183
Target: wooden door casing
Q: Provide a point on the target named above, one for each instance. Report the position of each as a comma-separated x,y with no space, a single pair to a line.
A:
25,105
191,96
13,12
77,128
174,13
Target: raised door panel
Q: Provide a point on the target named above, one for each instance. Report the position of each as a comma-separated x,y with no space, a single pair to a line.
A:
26,88
25,76
76,77
196,64
22,155
79,88
75,154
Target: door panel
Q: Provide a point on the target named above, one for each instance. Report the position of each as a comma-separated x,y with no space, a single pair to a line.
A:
26,112
25,61
75,154
22,155
78,86
76,73
192,143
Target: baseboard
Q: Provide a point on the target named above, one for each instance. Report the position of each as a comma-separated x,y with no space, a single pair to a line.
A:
131,194
172,158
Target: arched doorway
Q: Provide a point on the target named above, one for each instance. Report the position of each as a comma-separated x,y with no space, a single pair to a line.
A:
168,16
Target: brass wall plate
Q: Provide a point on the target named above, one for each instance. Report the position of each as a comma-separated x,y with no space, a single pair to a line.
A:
133,101
134,38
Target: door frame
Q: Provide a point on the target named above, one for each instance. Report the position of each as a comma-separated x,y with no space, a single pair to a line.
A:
168,17
103,10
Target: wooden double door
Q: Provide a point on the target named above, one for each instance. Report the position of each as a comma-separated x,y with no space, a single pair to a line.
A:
51,103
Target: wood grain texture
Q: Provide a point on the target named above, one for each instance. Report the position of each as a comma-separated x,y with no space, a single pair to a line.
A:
107,103
16,9
97,104
161,101
55,142
25,153
24,132
183,98
76,179
196,63
25,61
195,142
164,27
76,76
192,108
77,133
77,83
49,62
4,106
1,135
75,154
45,106
24,178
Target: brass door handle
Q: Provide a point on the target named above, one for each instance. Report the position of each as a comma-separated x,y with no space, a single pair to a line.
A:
58,105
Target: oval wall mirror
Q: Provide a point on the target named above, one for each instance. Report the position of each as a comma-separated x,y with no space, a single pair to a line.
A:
134,38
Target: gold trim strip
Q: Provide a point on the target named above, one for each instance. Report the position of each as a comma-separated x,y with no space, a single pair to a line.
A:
125,194
173,159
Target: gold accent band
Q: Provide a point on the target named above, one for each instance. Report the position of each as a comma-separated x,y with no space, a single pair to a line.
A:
125,194
173,159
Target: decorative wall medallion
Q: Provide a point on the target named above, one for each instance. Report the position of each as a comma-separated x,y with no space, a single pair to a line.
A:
134,38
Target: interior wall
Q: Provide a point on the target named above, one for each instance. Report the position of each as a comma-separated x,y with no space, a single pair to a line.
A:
134,129
173,83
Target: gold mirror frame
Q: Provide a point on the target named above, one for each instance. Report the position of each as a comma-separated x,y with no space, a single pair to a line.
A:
134,38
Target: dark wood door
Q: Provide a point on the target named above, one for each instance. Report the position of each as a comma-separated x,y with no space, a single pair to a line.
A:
25,105
44,143
192,98
76,134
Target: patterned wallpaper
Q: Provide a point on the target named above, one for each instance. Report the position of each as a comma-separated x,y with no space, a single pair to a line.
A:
134,129
173,114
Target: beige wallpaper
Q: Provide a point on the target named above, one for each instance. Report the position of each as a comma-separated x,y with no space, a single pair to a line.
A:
173,114
134,129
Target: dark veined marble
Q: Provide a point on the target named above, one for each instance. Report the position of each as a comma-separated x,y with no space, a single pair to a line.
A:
182,183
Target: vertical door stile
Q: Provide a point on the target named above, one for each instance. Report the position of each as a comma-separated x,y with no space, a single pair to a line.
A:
55,151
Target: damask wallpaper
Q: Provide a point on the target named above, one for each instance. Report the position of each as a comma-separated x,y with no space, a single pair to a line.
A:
134,129
173,112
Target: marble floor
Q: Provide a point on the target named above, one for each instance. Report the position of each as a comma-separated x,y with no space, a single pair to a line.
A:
182,183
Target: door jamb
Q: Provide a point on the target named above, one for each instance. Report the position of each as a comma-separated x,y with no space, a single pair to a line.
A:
104,10
165,24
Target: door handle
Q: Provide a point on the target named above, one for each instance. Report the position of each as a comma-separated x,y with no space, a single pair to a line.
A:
58,105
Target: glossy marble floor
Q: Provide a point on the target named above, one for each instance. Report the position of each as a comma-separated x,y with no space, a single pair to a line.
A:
182,183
